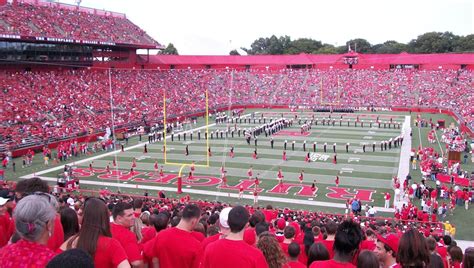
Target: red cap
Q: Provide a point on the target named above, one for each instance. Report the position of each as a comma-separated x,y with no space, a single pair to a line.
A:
281,224
391,240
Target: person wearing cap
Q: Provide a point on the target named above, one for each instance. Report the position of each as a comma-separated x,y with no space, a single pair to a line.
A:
223,227
5,219
232,251
386,249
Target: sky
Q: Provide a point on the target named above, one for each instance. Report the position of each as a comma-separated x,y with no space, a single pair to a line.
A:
215,27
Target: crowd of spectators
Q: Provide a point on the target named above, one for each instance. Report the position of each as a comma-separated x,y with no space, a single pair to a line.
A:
69,22
68,103
115,230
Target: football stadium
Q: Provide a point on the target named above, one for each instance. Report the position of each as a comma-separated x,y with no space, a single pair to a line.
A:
115,158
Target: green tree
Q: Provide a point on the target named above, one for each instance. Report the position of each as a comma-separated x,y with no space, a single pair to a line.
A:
234,52
359,45
303,45
326,49
169,50
269,46
389,47
434,42
465,44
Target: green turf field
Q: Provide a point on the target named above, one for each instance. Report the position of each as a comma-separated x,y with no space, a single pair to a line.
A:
370,171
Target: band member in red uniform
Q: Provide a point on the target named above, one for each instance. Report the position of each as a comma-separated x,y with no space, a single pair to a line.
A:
255,196
250,173
313,187
161,173
301,176
231,154
337,181
284,156
307,158
209,151
280,174
254,155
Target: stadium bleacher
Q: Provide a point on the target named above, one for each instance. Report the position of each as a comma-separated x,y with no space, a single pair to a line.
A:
51,105
52,20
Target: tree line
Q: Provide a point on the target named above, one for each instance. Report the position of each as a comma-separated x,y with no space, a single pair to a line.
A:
431,42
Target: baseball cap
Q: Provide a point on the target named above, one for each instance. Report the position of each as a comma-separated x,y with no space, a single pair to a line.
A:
224,216
3,201
391,240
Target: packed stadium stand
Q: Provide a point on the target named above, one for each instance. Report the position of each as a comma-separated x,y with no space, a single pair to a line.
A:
43,106
54,20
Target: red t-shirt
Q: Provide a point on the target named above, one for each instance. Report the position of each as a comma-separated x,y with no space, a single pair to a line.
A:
177,248
57,238
128,240
329,244
5,231
368,245
301,258
209,240
294,264
331,264
229,253
148,234
25,254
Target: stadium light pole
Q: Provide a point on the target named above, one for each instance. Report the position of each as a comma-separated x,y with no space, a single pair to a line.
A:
112,107
113,122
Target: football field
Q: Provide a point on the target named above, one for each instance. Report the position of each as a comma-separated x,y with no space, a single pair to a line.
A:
364,175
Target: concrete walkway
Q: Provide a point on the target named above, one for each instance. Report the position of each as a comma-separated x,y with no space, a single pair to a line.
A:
404,163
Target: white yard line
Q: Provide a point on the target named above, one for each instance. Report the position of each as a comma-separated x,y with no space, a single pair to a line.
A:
439,144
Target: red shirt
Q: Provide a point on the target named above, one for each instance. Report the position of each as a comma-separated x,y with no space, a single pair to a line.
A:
329,244
229,253
5,231
128,240
148,234
367,244
108,254
294,264
331,264
57,238
208,240
301,258
177,248
25,254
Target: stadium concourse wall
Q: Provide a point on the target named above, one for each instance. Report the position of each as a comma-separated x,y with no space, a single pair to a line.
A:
95,136
309,61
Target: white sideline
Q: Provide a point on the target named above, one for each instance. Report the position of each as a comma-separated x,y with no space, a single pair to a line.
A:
404,163
217,193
